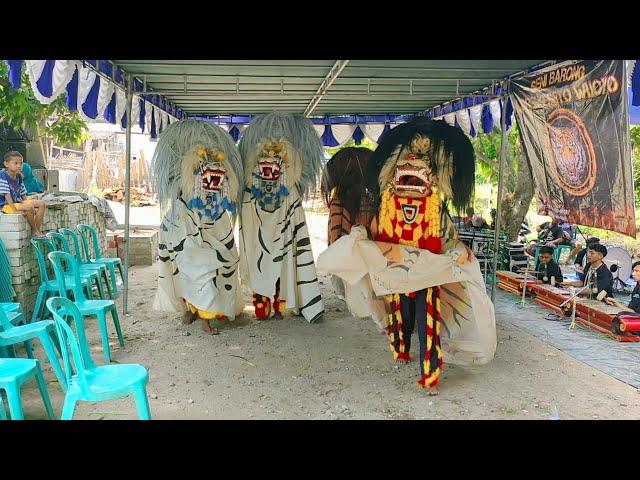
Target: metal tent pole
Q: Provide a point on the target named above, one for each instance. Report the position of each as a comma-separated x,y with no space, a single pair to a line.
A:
496,233
127,196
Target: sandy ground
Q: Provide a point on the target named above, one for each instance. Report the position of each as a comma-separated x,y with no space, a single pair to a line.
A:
340,368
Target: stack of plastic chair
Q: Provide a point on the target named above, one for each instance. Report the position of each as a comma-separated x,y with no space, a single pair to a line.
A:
13,373
91,274
7,293
48,287
11,335
90,383
85,264
86,232
64,266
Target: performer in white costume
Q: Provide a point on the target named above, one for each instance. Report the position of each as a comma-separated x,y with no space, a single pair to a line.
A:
197,172
282,157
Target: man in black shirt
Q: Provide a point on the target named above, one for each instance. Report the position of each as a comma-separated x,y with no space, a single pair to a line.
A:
581,259
634,304
596,274
550,235
547,270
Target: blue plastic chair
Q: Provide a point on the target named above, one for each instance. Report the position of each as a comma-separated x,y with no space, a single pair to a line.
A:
13,311
90,274
90,383
48,286
65,265
13,373
11,335
87,231
85,264
11,307
557,253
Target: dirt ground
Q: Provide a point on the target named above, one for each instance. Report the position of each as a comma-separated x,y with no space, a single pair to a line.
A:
339,368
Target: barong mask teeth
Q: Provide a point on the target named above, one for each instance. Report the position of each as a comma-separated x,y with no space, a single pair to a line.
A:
417,158
413,175
269,176
198,163
211,173
296,149
211,185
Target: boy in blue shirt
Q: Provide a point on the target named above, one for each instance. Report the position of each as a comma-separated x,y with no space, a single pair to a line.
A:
13,193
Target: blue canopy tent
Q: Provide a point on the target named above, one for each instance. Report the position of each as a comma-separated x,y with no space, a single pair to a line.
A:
343,98
634,112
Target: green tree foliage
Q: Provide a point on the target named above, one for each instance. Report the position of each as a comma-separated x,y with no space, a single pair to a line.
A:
21,110
635,146
331,151
518,181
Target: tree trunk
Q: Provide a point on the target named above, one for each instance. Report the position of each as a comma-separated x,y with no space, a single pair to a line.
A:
43,150
517,197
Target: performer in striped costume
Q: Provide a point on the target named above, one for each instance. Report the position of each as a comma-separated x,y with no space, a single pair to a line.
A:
197,171
282,156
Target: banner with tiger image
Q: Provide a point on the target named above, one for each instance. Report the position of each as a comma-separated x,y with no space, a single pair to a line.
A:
574,127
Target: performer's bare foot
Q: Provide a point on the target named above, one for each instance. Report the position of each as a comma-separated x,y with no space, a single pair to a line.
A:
207,328
189,318
433,391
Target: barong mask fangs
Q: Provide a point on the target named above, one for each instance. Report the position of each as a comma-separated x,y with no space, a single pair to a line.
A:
210,172
413,175
269,174
211,185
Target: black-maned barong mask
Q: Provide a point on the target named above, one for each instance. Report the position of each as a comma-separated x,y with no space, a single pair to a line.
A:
413,176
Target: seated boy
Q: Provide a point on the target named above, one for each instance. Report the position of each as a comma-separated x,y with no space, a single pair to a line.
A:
13,193
596,274
547,270
581,257
634,304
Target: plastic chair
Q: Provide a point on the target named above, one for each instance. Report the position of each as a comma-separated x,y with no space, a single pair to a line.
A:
557,253
85,264
47,286
65,265
91,383
87,231
11,307
12,335
91,274
13,311
13,373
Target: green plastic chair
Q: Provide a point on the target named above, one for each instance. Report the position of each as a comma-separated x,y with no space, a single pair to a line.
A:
13,373
11,335
13,311
557,253
87,231
85,264
64,265
48,286
90,383
11,307
91,274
